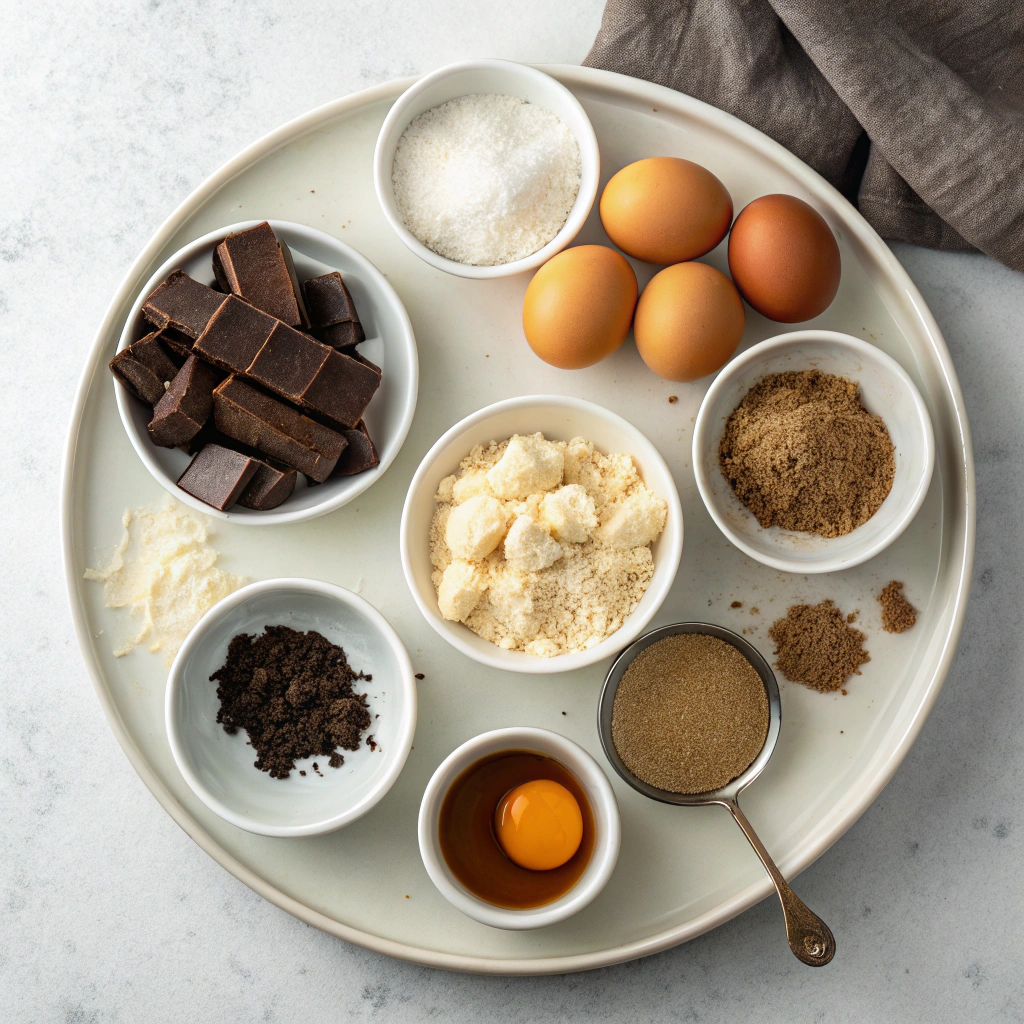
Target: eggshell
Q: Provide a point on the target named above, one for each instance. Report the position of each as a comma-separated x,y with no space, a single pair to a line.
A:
689,321
665,210
784,259
579,305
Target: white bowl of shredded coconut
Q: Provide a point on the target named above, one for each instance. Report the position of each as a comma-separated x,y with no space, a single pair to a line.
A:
541,534
487,168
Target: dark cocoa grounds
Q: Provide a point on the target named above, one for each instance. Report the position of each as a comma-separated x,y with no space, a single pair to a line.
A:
292,694
801,452
816,645
898,614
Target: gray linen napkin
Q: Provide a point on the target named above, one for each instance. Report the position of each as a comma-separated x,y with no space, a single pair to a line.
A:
914,109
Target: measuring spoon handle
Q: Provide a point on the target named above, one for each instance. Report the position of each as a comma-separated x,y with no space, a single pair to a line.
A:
810,938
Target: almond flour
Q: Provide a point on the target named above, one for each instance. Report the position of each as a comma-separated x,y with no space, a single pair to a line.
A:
559,567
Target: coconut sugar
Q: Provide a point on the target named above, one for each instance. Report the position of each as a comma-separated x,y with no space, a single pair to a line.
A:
898,614
690,714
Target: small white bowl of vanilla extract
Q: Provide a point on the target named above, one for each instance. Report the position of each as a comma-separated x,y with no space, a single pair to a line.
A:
461,836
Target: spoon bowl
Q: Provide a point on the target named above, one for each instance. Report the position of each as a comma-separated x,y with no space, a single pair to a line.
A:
809,937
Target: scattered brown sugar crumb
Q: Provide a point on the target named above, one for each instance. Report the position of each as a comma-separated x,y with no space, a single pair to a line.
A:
420,675
816,646
736,604
755,610
292,694
801,452
898,614
672,399
852,617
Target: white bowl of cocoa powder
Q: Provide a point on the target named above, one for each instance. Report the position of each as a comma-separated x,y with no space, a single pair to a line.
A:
813,451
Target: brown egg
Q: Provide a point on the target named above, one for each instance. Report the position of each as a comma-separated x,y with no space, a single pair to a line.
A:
665,210
689,321
579,305
784,259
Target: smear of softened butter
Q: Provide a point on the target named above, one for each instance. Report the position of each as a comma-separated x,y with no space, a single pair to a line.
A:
165,574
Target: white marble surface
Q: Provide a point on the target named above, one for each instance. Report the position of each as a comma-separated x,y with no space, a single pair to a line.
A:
110,115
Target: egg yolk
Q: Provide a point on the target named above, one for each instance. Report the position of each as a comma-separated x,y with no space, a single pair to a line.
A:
539,825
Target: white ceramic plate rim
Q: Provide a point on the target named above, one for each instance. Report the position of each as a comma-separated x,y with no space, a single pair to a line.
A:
795,340
590,164
669,555
589,775
360,482
397,753
883,765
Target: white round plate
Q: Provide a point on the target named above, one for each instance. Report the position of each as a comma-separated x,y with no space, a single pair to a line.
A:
389,343
681,870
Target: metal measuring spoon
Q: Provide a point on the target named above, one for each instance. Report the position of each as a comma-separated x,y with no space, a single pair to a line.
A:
809,937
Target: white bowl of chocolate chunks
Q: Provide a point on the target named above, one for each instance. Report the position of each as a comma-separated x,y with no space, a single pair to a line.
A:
267,373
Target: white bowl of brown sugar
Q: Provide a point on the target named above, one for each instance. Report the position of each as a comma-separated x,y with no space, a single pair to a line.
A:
813,451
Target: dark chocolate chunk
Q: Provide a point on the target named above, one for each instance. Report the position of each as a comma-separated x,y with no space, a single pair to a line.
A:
288,362
366,362
234,335
268,488
289,265
186,405
341,390
254,418
151,353
218,476
183,304
218,272
360,454
138,378
342,336
254,268
180,345
328,301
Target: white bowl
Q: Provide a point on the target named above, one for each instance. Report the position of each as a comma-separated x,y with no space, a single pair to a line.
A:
886,391
488,76
219,768
559,419
593,781
389,343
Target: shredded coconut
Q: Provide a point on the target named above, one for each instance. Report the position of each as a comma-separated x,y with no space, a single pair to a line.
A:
163,571
576,558
486,179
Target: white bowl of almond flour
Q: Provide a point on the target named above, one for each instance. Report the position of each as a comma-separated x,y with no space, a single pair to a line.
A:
813,451
541,534
486,168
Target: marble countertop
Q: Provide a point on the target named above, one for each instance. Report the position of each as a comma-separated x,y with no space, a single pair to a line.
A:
109,912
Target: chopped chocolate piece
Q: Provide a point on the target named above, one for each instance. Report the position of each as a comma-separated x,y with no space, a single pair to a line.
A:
268,488
218,476
234,335
218,272
342,336
328,301
366,362
278,430
288,362
289,265
179,344
151,353
341,390
360,454
186,405
254,268
138,378
183,304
